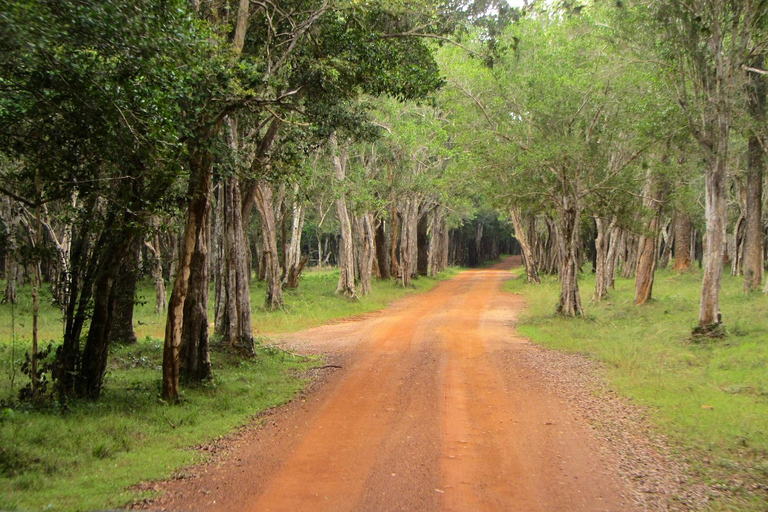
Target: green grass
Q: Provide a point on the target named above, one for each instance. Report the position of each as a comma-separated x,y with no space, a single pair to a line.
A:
710,397
87,455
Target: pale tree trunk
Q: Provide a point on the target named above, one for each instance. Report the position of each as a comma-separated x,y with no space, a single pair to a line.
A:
63,244
735,246
235,326
668,237
436,227
264,196
218,258
233,297
346,285
445,243
683,236
156,263
367,232
295,261
714,240
649,242
568,241
603,268
612,259
631,245
753,243
523,236
478,244
393,245
408,243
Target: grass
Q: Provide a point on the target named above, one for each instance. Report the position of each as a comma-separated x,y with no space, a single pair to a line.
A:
88,455
709,397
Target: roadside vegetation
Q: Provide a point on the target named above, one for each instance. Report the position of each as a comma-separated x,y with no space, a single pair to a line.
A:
55,457
709,395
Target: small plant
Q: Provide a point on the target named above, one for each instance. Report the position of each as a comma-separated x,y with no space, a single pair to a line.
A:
44,367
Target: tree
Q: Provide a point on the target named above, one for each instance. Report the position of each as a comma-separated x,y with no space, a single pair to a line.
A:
707,44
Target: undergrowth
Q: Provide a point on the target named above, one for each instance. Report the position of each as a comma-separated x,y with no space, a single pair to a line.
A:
709,395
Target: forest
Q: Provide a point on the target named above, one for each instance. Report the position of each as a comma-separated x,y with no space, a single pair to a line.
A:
193,165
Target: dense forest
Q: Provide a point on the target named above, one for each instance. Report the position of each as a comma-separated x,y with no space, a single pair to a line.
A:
204,144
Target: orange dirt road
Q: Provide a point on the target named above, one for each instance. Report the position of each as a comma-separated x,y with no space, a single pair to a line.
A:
434,409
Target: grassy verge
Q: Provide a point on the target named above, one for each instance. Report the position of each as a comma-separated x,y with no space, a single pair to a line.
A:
87,455
709,397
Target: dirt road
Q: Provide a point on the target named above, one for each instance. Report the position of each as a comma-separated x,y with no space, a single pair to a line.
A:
432,410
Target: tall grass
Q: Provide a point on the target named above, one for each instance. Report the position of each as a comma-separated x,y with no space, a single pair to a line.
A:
710,396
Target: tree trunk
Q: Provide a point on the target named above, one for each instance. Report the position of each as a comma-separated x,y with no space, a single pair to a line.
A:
264,196
408,249
156,264
125,298
568,241
346,285
296,263
683,232
201,162
367,233
714,240
115,244
649,243
393,241
194,355
735,246
603,256
753,242
235,323
11,265
523,237
382,254
612,259
422,243
668,238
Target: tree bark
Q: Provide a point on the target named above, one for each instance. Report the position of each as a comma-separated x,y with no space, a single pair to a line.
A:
11,265
382,254
367,233
394,237
125,298
264,196
296,263
422,243
568,241
714,240
523,237
194,355
346,284
156,264
93,364
668,238
649,243
603,267
408,249
683,232
753,236
201,162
